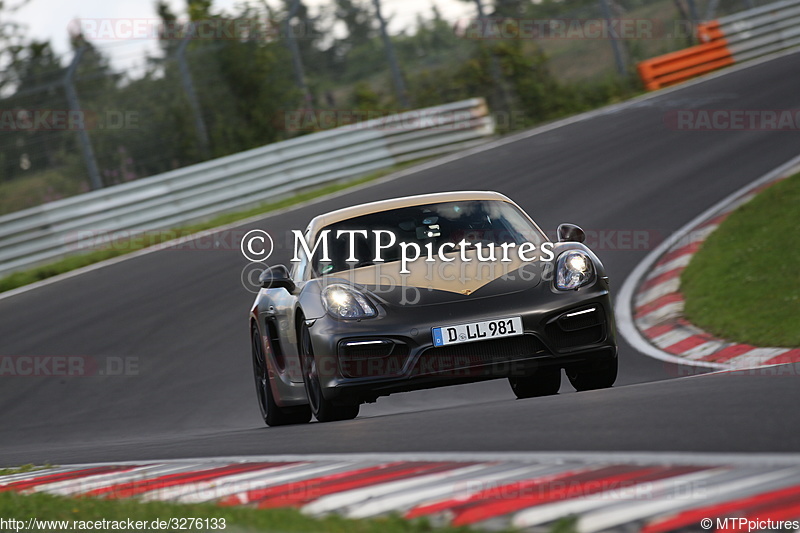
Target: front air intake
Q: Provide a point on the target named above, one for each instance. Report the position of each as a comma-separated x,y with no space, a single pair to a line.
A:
576,328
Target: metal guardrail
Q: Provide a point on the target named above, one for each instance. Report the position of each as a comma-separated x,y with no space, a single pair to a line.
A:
732,39
179,197
763,30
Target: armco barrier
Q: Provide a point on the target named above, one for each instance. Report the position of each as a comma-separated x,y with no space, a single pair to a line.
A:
237,181
679,66
733,39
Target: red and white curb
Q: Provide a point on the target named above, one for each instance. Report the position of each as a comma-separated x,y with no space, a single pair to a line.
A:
647,492
651,305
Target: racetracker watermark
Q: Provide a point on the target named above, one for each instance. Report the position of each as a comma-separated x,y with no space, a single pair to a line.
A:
620,239
599,489
239,29
29,120
580,29
67,366
782,370
160,239
733,120
301,120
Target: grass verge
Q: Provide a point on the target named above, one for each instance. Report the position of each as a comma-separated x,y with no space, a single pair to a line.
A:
239,519
22,469
743,285
73,262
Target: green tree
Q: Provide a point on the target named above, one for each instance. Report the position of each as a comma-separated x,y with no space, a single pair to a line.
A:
358,19
37,76
242,83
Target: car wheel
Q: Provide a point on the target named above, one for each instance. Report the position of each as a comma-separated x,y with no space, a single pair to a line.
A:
324,410
591,375
272,413
545,381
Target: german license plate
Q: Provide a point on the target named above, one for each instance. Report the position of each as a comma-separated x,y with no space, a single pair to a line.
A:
477,331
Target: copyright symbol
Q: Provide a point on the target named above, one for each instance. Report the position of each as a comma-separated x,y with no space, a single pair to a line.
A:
706,523
250,275
256,245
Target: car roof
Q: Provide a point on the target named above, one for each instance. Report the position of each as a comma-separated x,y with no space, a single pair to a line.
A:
326,219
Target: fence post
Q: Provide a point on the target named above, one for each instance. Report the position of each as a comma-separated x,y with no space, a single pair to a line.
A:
399,85
615,44
83,136
191,95
297,61
693,11
711,11
502,100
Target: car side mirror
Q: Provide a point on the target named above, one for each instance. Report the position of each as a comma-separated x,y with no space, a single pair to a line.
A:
276,277
570,233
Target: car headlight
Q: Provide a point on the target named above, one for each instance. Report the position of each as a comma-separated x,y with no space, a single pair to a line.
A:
573,269
346,302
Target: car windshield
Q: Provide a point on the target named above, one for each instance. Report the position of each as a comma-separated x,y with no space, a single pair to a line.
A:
482,222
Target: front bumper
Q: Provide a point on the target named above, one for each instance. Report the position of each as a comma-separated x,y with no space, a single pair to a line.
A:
394,352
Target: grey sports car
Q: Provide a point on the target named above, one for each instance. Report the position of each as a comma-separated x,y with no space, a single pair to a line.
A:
427,291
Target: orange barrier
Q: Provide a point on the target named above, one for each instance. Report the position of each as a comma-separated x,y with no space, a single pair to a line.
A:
675,67
709,31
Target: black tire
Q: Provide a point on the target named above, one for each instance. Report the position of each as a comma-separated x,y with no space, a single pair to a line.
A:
323,410
271,412
545,381
592,375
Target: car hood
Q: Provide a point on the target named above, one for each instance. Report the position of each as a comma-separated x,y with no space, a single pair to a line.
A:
439,282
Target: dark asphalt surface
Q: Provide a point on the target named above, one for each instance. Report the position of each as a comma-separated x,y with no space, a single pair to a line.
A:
181,316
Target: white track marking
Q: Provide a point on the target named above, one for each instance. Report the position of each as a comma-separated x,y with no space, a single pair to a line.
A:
726,491
241,481
740,202
756,357
693,236
533,473
542,514
22,476
657,291
609,518
87,484
342,500
702,350
96,481
702,233
679,262
662,314
404,500
672,337
240,491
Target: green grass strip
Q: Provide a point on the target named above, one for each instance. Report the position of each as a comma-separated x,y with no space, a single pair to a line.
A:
23,469
743,284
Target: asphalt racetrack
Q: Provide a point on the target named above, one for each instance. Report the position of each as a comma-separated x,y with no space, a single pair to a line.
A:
180,316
